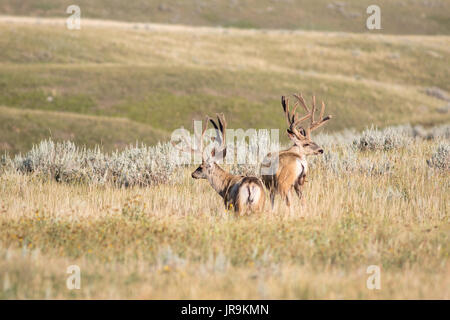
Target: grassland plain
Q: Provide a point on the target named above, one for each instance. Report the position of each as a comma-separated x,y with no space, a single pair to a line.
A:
386,207
162,76
116,82
398,17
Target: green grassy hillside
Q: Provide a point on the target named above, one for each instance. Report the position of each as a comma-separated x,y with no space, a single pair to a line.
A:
398,17
160,77
21,128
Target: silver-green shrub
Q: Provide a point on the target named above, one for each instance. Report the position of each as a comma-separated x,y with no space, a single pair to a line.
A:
147,166
337,162
6,164
65,162
374,168
387,139
439,132
440,159
347,161
61,161
143,165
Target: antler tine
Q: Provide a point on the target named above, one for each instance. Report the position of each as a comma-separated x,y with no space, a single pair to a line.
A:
305,117
220,133
285,104
321,123
224,122
291,116
313,109
322,120
294,114
297,121
322,110
216,128
223,128
293,119
302,101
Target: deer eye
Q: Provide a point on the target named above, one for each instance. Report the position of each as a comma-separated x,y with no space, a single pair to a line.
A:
306,144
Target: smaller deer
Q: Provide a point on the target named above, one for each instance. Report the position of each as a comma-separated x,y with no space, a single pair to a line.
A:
292,164
242,193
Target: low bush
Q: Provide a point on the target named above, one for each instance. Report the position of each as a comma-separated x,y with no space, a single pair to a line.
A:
65,162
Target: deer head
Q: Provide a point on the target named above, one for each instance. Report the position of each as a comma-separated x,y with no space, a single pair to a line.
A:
298,135
209,155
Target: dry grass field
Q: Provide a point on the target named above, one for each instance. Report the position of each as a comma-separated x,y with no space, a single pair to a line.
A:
364,207
78,188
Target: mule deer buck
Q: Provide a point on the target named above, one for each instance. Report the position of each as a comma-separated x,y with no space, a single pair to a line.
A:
243,193
292,165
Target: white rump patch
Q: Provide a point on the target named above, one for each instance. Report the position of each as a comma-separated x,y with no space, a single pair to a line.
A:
302,167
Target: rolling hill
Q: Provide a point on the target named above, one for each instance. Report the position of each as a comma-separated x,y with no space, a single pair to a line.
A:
160,76
398,17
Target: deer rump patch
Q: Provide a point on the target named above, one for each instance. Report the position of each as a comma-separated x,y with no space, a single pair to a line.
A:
248,191
302,167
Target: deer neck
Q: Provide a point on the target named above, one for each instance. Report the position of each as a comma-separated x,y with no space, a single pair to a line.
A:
219,180
298,151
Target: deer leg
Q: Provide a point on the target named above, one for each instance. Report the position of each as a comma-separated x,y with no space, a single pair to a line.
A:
298,190
287,198
288,201
262,202
240,210
285,194
272,198
240,206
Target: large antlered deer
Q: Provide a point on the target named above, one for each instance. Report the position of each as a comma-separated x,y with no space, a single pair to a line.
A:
242,193
292,165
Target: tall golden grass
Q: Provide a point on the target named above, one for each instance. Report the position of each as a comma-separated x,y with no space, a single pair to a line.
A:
177,241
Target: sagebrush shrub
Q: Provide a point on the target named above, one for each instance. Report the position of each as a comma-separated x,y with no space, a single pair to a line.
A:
374,168
347,161
65,162
143,165
440,159
439,132
338,163
147,166
61,161
387,139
